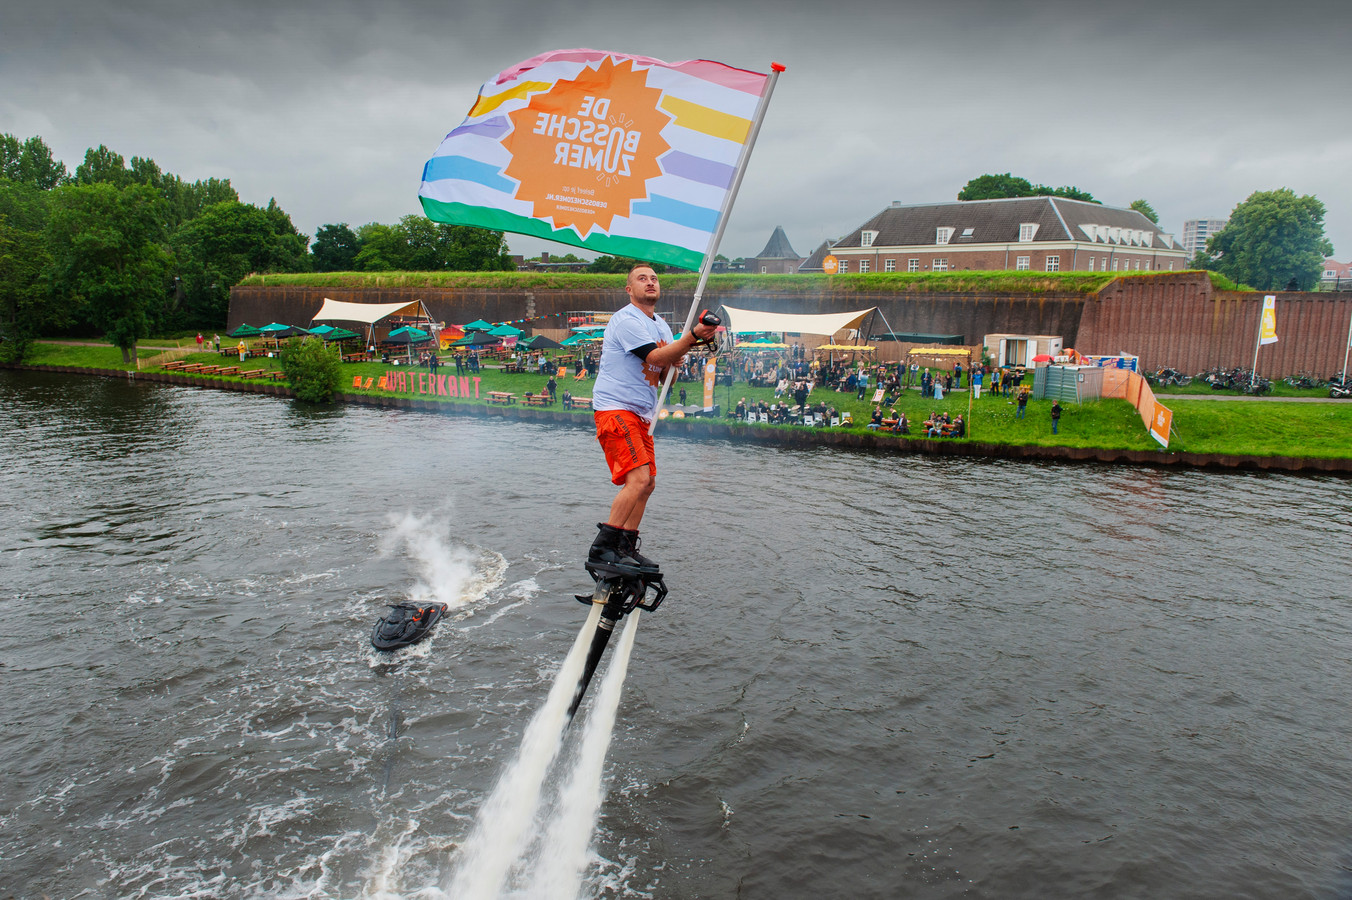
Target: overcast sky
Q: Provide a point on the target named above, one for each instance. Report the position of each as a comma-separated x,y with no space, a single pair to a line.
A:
332,108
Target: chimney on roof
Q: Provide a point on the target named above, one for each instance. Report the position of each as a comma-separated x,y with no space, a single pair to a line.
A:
896,203
544,256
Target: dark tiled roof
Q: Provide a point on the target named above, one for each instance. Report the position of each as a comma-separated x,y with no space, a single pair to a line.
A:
778,246
996,221
814,262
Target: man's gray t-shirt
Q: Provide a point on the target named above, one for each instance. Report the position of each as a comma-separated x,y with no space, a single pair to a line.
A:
625,381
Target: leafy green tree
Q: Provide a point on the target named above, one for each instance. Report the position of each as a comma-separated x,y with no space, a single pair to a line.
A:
109,256
1146,210
1273,238
217,249
384,248
30,162
996,187
334,249
102,166
312,370
621,265
418,244
999,187
25,301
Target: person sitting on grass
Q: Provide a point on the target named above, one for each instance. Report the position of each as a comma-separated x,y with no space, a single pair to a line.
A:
876,421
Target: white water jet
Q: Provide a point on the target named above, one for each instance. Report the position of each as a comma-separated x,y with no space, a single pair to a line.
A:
500,830
562,859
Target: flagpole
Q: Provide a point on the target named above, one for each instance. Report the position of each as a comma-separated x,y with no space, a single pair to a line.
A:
775,69
1346,348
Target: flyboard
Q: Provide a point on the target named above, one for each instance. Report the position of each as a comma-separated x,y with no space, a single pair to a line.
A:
406,624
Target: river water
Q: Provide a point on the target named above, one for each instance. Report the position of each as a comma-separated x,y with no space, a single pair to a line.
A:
876,676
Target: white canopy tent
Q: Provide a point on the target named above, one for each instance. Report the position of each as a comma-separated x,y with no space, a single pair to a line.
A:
369,314
798,323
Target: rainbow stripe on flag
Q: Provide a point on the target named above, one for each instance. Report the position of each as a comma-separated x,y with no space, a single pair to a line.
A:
620,154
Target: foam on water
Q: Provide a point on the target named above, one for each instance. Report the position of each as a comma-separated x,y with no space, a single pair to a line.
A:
501,830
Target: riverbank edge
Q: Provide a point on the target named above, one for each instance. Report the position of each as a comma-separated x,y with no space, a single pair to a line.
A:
801,438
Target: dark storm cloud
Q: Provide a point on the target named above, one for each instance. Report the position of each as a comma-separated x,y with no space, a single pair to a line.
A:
333,107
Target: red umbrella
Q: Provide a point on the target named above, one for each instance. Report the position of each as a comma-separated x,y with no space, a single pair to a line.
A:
1042,357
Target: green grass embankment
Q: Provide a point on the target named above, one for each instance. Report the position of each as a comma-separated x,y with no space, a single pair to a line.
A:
1201,426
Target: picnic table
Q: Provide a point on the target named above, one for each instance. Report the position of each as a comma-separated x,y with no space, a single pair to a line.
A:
357,357
501,397
581,403
537,400
514,368
253,373
174,366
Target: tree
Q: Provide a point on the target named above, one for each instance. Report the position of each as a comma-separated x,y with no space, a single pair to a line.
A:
1273,238
621,265
216,250
109,256
418,244
25,302
102,166
334,249
996,187
999,187
312,370
30,162
1146,210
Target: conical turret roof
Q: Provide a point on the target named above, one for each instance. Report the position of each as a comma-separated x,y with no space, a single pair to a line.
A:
778,246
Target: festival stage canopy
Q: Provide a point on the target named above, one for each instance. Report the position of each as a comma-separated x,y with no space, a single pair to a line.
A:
367,313
749,320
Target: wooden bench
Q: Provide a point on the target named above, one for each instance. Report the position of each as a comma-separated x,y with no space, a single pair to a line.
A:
190,367
276,375
501,397
581,403
227,370
537,400
252,373
209,370
356,357
174,366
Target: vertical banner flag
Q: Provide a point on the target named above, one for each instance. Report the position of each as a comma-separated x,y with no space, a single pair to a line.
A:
620,154
1268,333
1161,422
710,367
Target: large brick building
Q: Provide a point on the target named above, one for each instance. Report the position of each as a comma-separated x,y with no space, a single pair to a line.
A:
1041,234
778,257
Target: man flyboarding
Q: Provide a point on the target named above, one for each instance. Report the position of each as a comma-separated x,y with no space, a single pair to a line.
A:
637,350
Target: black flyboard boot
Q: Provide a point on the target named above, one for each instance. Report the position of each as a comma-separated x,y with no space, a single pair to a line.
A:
630,547
608,557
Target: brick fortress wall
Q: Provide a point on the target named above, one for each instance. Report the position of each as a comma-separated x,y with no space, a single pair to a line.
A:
1172,319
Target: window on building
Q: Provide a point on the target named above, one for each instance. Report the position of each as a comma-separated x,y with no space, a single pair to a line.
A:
1053,264
844,266
967,232
1090,267
939,265
889,265
1138,265
762,270
863,266
912,265
1021,263
1026,231
1115,262
941,235
866,238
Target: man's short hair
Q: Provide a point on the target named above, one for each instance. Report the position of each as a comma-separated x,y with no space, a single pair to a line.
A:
634,268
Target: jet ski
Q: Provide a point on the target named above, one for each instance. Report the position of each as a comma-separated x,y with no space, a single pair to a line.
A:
406,624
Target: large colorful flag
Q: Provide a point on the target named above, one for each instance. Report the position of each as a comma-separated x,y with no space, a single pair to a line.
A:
619,154
1268,334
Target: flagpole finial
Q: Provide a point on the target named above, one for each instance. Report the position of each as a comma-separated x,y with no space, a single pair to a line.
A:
778,67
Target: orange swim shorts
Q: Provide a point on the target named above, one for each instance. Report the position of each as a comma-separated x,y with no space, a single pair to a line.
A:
627,444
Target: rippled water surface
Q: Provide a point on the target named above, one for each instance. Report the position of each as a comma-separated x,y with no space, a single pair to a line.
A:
876,676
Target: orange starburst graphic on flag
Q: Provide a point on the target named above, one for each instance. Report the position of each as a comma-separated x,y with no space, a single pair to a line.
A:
584,150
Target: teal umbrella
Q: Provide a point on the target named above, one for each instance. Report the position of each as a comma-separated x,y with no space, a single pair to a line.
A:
505,330
408,334
322,330
579,339
476,339
479,325
277,330
245,330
